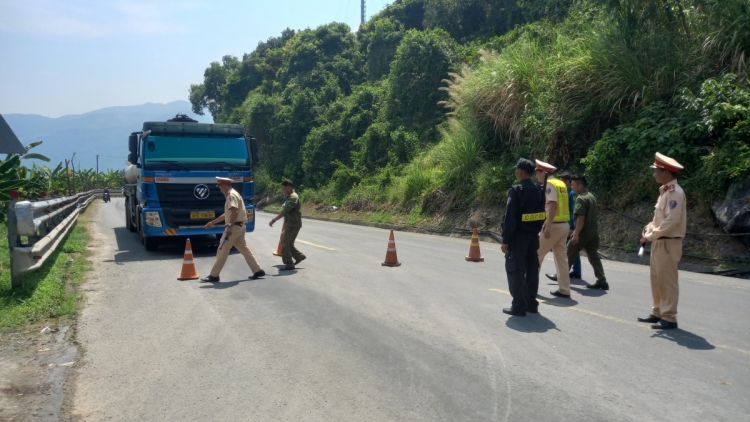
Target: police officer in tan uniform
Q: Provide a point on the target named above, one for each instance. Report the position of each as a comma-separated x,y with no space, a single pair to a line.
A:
234,217
554,234
666,231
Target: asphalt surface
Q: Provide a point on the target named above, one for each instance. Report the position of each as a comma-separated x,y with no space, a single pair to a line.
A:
344,339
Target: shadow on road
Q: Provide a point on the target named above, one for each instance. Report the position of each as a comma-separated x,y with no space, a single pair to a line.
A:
284,273
685,339
223,285
577,282
129,248
557,301
531,323
589,292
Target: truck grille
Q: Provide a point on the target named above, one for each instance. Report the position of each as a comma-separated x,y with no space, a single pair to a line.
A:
178,201
183,194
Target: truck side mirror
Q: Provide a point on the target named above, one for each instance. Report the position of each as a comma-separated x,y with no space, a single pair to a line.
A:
254,150
133,145
133,158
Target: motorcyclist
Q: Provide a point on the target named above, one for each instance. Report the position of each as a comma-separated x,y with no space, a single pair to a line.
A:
105,195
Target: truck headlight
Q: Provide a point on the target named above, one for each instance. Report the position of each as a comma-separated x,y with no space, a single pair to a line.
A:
153,219
250,214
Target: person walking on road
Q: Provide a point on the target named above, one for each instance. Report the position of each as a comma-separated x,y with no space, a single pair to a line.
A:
666,231
586,234
556,227
293,223
576,272
235,216
524,217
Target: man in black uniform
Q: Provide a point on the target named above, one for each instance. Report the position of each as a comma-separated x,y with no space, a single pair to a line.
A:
524,217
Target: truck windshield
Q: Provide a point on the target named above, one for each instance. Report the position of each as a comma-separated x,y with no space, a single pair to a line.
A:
194,151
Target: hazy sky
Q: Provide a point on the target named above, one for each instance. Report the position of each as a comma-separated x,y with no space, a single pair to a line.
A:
62,57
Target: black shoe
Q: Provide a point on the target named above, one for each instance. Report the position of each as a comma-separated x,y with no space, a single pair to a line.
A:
532,310
510,311
257,275
664,325
300,260
210,279
575,275
552,277
649,319
558,294
287,268
598,285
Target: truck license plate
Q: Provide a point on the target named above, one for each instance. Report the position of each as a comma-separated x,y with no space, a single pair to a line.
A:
202,215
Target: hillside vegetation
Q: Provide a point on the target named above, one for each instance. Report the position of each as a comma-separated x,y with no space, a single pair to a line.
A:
428,105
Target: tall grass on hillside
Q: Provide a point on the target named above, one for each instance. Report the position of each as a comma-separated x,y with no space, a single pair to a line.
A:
633,67
727,40
459,155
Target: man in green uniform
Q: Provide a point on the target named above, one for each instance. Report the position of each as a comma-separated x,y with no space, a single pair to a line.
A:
586,234
293,222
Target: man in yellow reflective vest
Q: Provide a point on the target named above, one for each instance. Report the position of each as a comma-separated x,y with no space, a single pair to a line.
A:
554,234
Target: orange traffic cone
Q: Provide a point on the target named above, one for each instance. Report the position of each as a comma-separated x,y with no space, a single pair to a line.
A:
391,260
474,254
278,248
188,268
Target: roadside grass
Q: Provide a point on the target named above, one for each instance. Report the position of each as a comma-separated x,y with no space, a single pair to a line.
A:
47,292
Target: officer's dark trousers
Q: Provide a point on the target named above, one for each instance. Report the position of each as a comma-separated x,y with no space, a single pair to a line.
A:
522,266
591,246
288,251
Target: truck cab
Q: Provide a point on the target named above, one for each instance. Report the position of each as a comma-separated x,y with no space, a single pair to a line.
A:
172,177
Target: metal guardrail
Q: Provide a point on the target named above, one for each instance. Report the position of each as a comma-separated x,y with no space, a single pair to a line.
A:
115,193
44,223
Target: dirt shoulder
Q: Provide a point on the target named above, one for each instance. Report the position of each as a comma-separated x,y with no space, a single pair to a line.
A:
37,356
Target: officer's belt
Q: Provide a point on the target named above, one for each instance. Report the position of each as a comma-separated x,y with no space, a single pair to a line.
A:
537,216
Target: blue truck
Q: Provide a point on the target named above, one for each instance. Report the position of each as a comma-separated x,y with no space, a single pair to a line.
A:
173,165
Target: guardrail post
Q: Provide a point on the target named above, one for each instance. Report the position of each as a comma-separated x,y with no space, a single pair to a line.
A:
16,277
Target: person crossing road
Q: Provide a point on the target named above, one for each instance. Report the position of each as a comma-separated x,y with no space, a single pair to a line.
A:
235,216
293,222
586,234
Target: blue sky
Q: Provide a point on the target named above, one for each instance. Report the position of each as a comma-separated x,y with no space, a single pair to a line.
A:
69,57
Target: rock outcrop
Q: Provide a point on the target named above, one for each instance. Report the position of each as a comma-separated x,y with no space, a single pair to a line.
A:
733,215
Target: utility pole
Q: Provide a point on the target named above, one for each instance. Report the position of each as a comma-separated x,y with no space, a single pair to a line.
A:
363,13
74,169
67,174
97,171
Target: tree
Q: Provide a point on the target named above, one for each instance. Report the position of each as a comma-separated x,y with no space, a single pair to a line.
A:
208,95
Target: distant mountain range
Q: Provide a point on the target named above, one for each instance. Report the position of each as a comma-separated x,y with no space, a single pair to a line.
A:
104,132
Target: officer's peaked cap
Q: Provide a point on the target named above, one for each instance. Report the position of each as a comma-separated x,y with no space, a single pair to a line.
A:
525,165
549,168
224,181
666,163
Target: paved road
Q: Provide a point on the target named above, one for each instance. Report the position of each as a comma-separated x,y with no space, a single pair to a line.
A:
344,339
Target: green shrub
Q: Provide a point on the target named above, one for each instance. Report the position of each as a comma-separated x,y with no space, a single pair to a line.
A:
709,134
492,183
